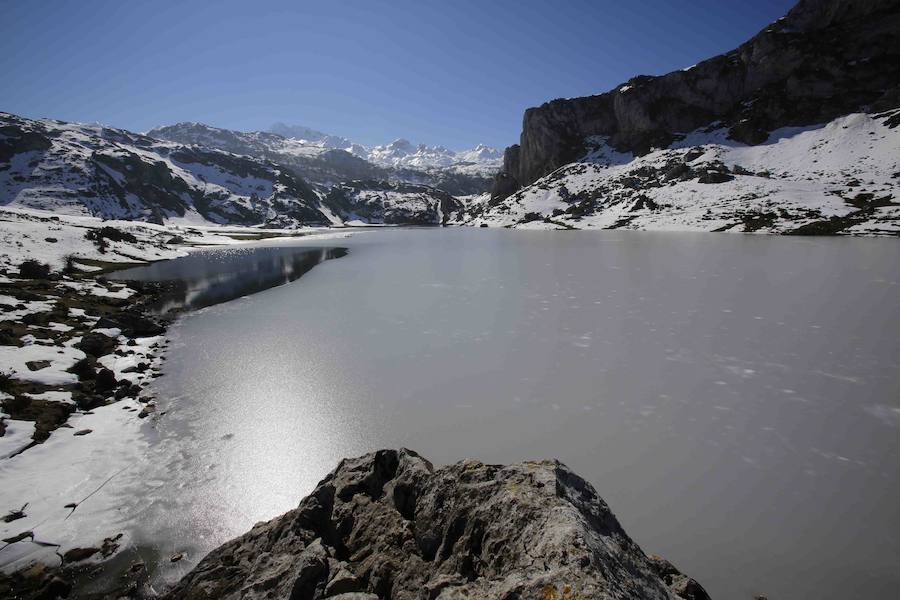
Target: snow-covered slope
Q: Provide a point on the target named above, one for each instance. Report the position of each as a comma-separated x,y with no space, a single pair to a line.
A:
93,170
840,177
283,141
330,160
379,202
403,153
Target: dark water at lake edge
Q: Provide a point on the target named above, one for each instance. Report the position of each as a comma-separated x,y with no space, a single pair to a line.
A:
208,277
734,398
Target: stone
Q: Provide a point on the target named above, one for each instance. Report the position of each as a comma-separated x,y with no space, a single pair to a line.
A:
86,368
37,365
83,432
390,525
78,554
105,381
18,537
132,324
96,344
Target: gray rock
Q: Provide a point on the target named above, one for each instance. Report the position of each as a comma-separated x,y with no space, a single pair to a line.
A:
389,525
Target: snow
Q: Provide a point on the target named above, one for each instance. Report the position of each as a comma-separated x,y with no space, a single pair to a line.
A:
110,332
65,469
798,176
24,233
31,307
301,141
90,170
90,287
144,351
54,396
402,153
18,436
13,359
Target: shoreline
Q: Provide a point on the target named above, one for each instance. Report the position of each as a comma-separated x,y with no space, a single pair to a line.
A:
79,354
79,410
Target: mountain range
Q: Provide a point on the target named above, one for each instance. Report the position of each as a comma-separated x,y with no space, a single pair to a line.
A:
723,144
399,153
795,131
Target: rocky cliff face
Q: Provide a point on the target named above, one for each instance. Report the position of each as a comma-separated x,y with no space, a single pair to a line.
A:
825,59
389,525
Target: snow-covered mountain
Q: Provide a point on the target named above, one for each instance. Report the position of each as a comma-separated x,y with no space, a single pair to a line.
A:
115,174
365,202
399,153
300,132
403,153
221,177
841,177
797,131
328,160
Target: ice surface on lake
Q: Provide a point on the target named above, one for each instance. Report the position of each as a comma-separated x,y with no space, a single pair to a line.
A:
727,395
733,398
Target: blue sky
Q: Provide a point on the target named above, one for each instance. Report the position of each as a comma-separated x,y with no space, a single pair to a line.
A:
456,72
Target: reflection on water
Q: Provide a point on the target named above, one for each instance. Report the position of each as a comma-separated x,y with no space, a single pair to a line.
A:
209,277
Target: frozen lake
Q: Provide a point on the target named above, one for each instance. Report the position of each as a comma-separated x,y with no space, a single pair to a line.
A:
734,398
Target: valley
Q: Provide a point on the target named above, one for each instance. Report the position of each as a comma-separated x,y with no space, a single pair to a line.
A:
230,352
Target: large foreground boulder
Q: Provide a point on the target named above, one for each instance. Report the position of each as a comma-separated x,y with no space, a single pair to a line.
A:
389,525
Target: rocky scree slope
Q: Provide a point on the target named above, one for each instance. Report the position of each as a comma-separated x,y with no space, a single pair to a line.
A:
115,174
825,59
390,525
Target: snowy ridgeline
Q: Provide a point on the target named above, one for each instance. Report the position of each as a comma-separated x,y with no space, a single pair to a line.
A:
838,178
91,170
399,153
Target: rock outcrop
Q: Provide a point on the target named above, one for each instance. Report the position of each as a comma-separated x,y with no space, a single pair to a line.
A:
825,59
389,525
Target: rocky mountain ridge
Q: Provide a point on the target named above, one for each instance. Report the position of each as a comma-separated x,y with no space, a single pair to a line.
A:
399,153
403,153
115,174
840,178
824,59
206,175
328,160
